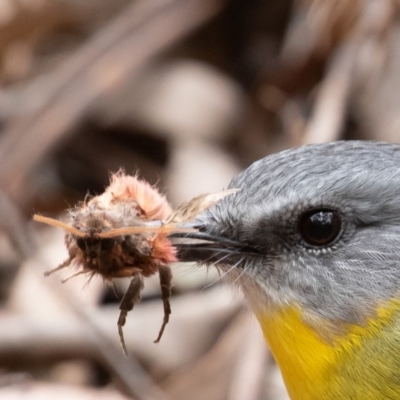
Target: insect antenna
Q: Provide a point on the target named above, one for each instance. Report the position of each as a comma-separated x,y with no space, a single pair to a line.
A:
131,230
59,224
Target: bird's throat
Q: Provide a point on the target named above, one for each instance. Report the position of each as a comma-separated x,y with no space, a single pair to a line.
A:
315,366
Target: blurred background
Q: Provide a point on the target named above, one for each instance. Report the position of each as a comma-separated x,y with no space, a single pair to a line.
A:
188,93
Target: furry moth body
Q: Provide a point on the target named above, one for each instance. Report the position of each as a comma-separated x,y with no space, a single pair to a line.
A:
113,235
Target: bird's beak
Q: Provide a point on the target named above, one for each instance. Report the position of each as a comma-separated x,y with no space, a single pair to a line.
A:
208,248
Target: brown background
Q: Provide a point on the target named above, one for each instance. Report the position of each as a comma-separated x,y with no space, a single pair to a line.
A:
188,93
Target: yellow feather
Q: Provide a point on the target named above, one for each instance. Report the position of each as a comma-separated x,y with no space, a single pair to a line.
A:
341,367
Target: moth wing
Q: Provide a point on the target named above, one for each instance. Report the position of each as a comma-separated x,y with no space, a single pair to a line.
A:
189,210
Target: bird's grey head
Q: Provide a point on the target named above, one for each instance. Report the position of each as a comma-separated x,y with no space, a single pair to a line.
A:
317,226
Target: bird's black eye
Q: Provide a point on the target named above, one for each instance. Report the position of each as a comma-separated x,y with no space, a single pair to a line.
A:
320,227
106,244
80,242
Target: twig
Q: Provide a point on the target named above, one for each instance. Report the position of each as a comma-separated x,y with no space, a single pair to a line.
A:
330,110
332,100
15,227
141,32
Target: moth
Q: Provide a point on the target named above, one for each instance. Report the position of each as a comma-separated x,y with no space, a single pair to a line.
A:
124,233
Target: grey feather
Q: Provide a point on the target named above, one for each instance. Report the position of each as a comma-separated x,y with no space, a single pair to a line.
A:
345,280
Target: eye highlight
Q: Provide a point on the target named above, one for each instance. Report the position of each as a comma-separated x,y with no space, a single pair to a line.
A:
320,227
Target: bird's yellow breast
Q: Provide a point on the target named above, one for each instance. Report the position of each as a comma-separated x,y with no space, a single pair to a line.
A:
356,362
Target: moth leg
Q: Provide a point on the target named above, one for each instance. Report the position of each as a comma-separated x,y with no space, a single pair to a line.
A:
90,279
166,285
73,275
115,290
65,264
131,297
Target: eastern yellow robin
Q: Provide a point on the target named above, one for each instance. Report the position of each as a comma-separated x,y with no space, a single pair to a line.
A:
313,240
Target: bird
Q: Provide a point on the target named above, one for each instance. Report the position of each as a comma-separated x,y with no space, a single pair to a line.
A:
312,238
